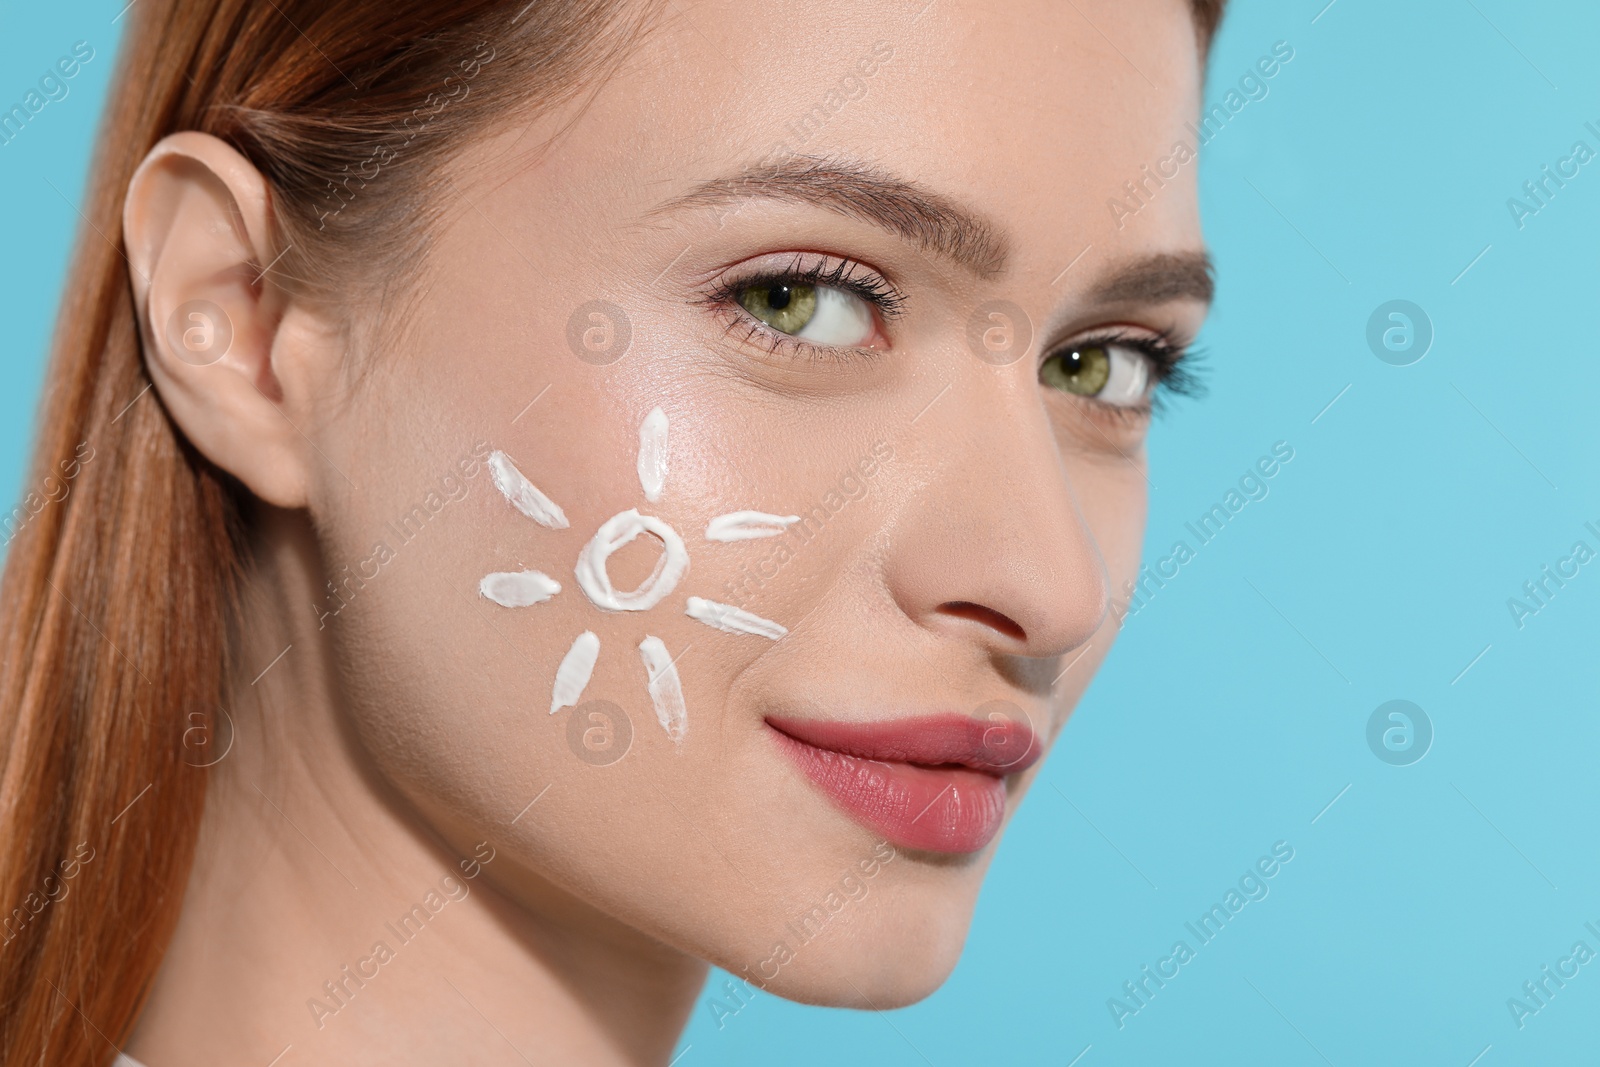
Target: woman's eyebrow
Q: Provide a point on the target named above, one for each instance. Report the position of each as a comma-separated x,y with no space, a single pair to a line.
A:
1156,279
860,191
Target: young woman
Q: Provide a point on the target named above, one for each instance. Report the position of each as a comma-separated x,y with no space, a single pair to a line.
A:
558,494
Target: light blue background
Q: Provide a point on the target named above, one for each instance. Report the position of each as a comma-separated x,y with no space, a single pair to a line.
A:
1235,706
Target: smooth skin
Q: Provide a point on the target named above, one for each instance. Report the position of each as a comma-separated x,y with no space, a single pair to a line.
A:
376,751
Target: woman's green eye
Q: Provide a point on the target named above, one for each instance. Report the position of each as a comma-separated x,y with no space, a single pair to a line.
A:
786,308
1083,371
823,314
1112,374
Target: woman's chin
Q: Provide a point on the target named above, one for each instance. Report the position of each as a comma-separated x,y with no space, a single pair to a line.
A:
893,952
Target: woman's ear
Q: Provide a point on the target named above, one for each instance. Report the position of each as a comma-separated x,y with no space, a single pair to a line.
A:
234,378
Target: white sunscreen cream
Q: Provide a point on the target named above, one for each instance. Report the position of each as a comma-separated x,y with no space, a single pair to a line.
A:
576,668
747,525
612,535
518,589
666,692
653,454
523,494
729,619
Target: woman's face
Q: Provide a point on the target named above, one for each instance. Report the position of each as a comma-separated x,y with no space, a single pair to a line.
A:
862,263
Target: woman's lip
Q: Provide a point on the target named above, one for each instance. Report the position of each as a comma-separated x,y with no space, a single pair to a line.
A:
933,783
1002,744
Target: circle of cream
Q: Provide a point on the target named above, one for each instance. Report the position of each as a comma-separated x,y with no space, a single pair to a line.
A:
612,535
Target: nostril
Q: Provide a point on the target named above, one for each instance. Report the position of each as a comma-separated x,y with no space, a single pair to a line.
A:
962,609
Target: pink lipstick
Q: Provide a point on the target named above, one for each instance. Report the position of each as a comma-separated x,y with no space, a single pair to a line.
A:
934,782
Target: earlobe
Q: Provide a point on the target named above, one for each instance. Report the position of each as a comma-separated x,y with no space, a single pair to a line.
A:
196,225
